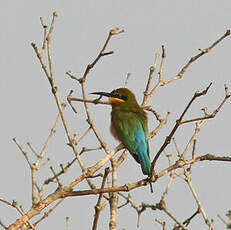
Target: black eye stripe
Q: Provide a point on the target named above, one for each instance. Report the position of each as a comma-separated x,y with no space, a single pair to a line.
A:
120,96
124,98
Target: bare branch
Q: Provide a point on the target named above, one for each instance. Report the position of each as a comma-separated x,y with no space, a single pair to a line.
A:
214,113
193,59
201,210
67,223
56,177
148,95
113,198
23,152
69,99
63,170
163,224
168,138
97,101
126,81
46,214
151,71
44,35
187,221
128,187
100,206
102,52
163,56
18,208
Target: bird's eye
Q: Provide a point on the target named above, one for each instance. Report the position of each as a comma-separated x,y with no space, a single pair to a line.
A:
120,96
123,97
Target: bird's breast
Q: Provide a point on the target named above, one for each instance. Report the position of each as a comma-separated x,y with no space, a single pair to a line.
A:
113,131
114,121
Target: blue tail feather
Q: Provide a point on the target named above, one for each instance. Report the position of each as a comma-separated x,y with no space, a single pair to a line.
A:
142,150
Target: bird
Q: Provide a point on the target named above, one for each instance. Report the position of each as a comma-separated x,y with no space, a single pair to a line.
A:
129,125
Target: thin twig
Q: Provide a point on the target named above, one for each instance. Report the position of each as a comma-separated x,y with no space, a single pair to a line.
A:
63,170
56,177
69,99
152,69
102,52
201,210
163,224
19,209
67,223
187,221
44,36
46,214
89,101
177,149
163,56
100,206
23,152
32,149
197,130
84,134
194,58
126,80
173,217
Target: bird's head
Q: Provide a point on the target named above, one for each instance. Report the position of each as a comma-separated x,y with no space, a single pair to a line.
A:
119,96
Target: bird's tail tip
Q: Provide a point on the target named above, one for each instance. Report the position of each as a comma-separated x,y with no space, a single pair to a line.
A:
151,188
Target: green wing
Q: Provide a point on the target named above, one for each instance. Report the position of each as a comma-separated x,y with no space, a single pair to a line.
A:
126,125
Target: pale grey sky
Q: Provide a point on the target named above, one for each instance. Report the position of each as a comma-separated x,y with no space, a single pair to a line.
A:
29,110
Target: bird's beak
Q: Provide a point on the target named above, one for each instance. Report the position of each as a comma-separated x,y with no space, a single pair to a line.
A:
102,94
